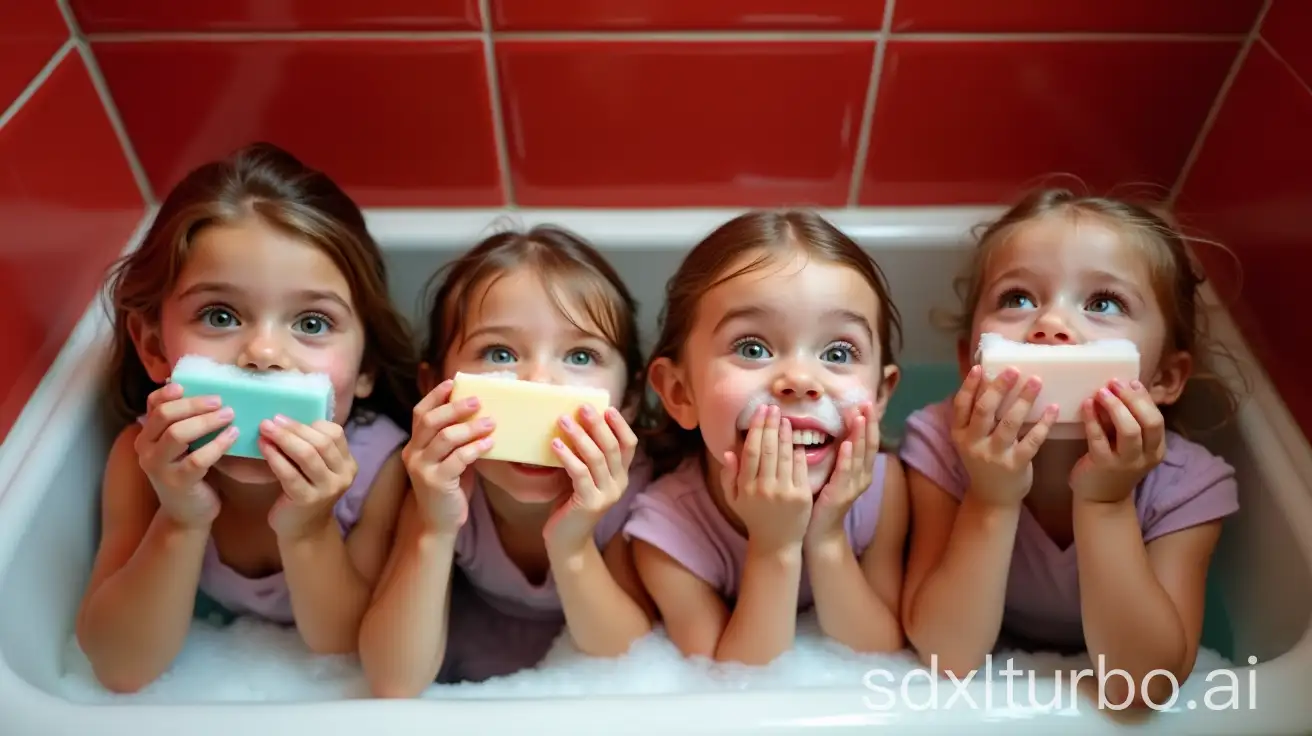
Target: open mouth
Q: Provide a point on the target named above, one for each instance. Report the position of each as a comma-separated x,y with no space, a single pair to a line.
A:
814,442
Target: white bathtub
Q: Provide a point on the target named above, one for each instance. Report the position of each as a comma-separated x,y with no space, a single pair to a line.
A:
50,468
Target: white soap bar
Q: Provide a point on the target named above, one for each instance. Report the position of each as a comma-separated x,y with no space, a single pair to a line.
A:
1070,373
527,413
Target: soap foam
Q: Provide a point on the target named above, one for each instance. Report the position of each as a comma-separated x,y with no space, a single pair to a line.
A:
199,365
828,411
993,344
252,660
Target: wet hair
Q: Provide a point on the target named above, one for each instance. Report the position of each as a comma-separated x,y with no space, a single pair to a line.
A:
574,273
770,234
1176,282
264,182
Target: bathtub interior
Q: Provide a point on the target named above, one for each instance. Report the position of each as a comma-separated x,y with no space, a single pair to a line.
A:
1260,590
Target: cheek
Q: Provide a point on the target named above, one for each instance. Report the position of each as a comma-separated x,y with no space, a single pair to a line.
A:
342,369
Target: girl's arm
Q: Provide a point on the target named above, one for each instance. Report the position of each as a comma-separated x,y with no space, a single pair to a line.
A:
138,605
857,603
331,579
403,634
764,618
606,607
956,579
1141,605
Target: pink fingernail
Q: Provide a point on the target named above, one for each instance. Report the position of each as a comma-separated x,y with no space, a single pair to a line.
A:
556,443
1136,385
566,422
225,412
1106,394
230,432
213,402
472,402
588,412
281,419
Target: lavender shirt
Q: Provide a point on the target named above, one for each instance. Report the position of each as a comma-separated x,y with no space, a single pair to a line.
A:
1190,487
677,515
499,621
371,444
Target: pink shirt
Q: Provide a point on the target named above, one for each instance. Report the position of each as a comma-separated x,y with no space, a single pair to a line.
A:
677,515
499,621
1191,486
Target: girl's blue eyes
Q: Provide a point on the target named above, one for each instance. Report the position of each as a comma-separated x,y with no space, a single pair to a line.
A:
578,357
753,349
221,318
1099,304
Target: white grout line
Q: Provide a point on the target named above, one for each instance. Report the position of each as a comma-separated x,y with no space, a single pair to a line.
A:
868,109
36,83
494,99
638,36
107,102
1306,84
1196,150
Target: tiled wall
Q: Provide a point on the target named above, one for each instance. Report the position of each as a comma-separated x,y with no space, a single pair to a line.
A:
456,103
1250,187
68,200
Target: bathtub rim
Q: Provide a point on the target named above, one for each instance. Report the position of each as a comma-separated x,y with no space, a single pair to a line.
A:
1280,451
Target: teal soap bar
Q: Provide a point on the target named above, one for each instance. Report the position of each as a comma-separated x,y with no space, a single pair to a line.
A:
254,396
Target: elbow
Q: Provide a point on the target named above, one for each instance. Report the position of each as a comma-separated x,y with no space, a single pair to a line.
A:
121,677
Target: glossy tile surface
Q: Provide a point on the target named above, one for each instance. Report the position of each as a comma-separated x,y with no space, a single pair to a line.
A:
682,124
571,15
1251,189
396,123
1128,16
31,31
1288,28
101,16
67,206
974,122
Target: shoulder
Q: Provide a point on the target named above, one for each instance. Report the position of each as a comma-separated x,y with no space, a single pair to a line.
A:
927,448
1192,485
375,432
667,516
380,475
640,475
884,502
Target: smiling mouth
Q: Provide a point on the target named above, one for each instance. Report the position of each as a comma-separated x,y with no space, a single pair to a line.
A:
806,439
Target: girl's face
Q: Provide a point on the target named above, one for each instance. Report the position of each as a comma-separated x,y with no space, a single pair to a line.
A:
799,333
253,296
512,325
1062,280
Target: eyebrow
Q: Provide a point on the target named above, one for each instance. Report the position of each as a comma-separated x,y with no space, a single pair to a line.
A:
1100,275
215,287
757,312
512,330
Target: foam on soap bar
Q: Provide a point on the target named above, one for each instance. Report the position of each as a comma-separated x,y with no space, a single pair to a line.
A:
526,413
1070,373
254,396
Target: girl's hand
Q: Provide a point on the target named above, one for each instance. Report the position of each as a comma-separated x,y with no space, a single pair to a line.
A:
1116,464
177,475
852,474
996,460
597,460
314,466
769,489
443,445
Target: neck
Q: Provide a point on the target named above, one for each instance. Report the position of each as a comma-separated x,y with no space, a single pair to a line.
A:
1052,469
513,515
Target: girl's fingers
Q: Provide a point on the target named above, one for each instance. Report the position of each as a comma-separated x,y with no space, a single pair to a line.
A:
163,394
729,476
174,441
799,479
289,476
1008,429
304,455
784,455
458,461
322,436
750,463
586,448
579,473
1141,405
198,463
431,422
964,400
1038,434
845,467
1099,445
456,436
164,418
1129,436
768,464
624,434
983,417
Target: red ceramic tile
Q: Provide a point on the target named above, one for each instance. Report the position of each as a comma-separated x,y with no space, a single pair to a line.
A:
975,122
1127,16
575,15
673,124
396,123
1250,190
1288,28
31,31
107,16
60,229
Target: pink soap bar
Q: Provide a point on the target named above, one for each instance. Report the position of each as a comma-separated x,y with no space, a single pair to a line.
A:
1070,373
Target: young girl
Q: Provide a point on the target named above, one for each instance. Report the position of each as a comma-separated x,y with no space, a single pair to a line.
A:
774,365
999,509
535,548
263,263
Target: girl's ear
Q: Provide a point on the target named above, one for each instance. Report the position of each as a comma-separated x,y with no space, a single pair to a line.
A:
892,374
670,384
364,384
1172,375
149,345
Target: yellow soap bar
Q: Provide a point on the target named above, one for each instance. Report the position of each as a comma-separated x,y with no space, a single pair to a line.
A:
527,413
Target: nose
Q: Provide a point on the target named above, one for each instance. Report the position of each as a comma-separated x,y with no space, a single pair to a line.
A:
797,383
264,351
538,371
1051,328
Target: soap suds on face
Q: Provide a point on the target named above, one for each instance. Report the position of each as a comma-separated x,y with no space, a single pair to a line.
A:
830,412
253,661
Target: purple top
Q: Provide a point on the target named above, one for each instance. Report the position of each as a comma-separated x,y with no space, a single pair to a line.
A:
1190,487
268,597
678,516
499,621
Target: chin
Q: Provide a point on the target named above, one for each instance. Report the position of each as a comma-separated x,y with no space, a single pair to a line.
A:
526,484
245,470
